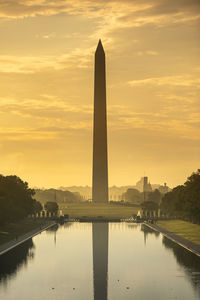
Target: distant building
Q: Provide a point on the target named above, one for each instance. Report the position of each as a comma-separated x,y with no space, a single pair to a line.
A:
115,192
146,185
143,185
164,188
139,184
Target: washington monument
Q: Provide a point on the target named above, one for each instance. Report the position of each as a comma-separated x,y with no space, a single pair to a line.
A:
100,156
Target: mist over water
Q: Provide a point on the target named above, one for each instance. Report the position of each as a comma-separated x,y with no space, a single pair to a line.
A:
99,261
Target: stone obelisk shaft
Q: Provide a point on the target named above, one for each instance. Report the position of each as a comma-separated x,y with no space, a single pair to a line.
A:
100,160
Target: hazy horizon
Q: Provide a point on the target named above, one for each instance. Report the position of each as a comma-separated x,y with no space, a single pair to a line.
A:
90,186
46,83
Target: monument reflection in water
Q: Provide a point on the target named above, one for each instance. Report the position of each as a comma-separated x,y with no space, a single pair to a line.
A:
100,260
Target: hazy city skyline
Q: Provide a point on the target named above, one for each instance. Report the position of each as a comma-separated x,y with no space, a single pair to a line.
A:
46,83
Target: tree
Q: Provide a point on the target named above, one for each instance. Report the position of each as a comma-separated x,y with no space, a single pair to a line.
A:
149,205
51,207
132,195
37,206
192,196
154,196
58,196
184,200
173,202
16,198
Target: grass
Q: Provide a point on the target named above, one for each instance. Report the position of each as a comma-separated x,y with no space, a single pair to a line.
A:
187,230
9,231
110,211
74,210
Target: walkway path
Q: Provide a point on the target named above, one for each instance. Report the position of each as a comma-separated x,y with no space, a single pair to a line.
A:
190,246
21,239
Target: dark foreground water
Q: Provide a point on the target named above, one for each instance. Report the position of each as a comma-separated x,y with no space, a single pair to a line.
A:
99,261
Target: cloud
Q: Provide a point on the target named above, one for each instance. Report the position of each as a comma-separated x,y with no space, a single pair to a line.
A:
52,117
171,120
178,80
49,36
24,8
45,106
21,134
43,133
53,114
148,52
144,12
79,58
111,16
184,128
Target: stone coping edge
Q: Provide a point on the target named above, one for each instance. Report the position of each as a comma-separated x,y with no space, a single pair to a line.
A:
190,246
12,244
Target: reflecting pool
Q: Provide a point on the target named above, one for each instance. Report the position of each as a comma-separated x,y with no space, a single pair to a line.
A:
99,261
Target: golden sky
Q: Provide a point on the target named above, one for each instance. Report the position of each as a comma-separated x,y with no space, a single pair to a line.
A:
46,89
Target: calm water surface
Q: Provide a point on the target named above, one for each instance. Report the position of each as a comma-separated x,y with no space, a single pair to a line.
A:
99,261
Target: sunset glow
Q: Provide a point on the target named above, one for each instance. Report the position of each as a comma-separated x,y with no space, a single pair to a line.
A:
46,89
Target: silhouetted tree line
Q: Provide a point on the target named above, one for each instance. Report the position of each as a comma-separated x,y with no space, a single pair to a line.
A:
133,196
149,205
148,201
54,195
152,200
51,207
184,200
16,199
